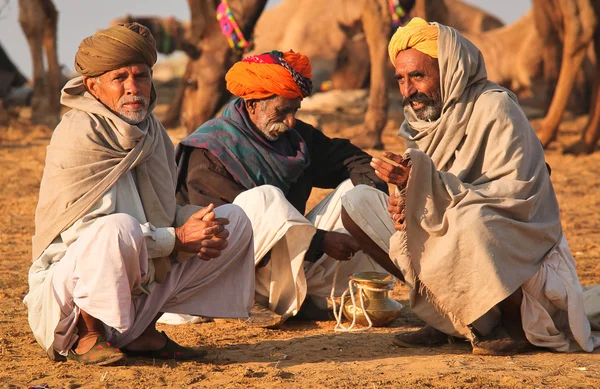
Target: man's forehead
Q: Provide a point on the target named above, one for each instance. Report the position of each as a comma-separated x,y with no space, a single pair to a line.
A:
284,103
133,68
411,59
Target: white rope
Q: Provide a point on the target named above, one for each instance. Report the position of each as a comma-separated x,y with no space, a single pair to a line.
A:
352,285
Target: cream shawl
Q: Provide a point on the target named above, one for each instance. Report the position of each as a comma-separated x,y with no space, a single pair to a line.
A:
481,213
90,150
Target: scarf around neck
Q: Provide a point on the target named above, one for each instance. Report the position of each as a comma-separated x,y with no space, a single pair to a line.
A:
90,149
247,155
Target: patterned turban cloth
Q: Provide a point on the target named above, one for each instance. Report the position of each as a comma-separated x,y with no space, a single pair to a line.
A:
114,48
418,35
274,73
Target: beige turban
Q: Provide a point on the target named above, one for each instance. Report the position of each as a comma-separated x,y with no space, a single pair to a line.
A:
418,35
114,48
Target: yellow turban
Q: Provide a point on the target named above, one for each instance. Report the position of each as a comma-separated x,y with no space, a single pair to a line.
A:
418,35
114,48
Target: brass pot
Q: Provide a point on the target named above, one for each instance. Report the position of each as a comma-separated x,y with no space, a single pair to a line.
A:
381,308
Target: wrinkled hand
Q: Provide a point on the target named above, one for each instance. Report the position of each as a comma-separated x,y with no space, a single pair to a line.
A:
396,209
203,233
392,174
339,246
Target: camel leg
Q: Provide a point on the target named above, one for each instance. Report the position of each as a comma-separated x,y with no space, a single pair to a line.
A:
54,75
576,40
591,133
205,89
33,29
376,23
206,92
174,110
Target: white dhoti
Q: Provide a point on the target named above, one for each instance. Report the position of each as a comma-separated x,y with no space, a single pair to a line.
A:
103,273
285,281
552,308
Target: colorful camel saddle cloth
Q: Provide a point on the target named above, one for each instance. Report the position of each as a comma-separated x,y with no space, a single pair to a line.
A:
231,28
399,16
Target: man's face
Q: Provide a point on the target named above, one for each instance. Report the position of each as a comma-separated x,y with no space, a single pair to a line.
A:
273,116
418,76
125,91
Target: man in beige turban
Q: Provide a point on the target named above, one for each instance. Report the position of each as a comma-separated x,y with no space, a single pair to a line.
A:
111,249
478,236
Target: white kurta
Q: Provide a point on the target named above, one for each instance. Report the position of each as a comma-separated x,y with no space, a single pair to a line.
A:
101,265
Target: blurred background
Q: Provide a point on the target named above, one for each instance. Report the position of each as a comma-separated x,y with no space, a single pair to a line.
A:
78,19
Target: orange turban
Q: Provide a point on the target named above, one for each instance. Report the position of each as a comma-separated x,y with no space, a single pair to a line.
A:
274,73
114,48
418,35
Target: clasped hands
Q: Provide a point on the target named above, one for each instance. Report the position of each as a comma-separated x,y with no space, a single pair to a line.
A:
396,174
203,233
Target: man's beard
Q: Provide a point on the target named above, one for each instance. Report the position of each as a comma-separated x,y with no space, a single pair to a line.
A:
272,132
432,109
133,116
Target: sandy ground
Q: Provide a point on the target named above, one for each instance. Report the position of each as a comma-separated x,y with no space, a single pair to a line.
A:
299,355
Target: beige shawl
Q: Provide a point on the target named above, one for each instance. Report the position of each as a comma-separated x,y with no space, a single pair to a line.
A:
90,150
481,213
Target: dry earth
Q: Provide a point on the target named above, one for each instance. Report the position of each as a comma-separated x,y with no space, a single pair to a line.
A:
300,354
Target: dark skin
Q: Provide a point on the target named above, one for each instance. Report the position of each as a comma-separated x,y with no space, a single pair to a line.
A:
126,92
418,78
280,110
418,74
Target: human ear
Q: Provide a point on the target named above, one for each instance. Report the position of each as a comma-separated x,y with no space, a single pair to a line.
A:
91,84
251,106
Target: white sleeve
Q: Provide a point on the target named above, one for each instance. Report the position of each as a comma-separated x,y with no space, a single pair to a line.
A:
160,241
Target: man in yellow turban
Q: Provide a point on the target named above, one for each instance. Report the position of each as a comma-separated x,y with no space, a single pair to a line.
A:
478,235
259,156
111,250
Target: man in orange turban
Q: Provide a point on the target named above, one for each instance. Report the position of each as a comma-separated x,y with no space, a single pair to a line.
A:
112,250
259,156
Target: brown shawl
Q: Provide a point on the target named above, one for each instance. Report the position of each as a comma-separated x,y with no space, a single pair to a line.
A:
481,213
90,150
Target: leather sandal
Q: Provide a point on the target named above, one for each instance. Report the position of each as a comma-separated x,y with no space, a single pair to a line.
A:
170,350
425,337
101,354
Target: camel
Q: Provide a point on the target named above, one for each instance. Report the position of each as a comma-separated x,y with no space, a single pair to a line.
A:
338,48
574,25
203,92
464,17
524,71
517,70
204,79
170,34
38,19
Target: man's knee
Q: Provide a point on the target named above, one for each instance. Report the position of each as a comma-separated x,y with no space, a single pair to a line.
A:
124,226
238,220
266,192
